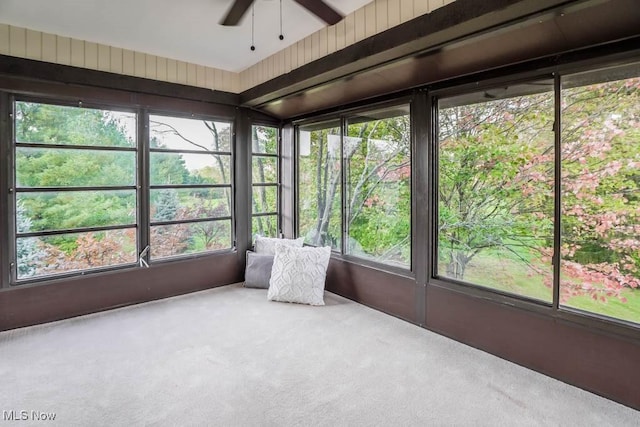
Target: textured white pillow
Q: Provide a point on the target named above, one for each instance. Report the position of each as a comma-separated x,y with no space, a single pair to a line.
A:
298,274
267,245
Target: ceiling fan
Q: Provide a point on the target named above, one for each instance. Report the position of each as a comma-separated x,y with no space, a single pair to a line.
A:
317,7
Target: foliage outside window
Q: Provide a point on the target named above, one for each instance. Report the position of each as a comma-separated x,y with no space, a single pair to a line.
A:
264,181
496,188
75,189
190,186
320,184
376,181
496,184
377,152
600,268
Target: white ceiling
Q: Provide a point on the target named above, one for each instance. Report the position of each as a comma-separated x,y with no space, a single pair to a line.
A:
186,30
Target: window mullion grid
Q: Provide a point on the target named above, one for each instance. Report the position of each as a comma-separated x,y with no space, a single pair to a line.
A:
276,184
268,155
191,221
76,230
186,187
182,151
74,147
228,188
260,214
74,189
14,235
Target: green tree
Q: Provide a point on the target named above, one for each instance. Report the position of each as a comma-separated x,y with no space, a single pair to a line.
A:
320,187
171,168
27,251
264,140
378,158
54,167
167,205
495,180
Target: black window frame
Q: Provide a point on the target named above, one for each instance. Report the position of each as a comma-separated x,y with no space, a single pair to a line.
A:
489,80
342,116
14,234
277,185
454,91
231,186
141,187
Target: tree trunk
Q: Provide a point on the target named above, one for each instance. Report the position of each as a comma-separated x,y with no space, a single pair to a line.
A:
457,265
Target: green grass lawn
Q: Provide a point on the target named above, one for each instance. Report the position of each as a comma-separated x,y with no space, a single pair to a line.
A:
501,272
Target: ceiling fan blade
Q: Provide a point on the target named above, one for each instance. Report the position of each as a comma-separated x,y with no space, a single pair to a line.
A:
236,12
321,10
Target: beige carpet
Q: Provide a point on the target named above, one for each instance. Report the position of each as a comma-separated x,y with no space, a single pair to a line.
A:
228,357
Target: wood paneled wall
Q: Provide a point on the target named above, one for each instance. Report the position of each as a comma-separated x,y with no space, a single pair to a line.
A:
25,43
374,18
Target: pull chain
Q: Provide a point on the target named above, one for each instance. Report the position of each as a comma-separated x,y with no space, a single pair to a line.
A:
281,37
253,14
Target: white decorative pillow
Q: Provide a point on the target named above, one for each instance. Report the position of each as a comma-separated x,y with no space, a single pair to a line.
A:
298,274
267,245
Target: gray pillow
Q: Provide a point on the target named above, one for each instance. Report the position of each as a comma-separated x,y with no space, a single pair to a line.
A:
258,271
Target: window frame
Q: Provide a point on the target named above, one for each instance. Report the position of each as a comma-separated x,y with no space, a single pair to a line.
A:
142,151
321,122
597,66
149,186
342,116
277,185
554,310
13,234
453,91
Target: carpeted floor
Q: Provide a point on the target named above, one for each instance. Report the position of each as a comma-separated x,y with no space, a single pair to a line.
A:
227,357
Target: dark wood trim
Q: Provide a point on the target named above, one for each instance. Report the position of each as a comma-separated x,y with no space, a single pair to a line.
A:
144,193
260,118
556,36
589,359
43,91
242,184
390,293
59,299
420,196
579,60
5,178
444,25
592,359
38,70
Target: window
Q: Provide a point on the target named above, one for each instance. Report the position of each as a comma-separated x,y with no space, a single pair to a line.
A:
75,193
320,184
190,167
354,190
264,181
600,268
496,188
377,153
